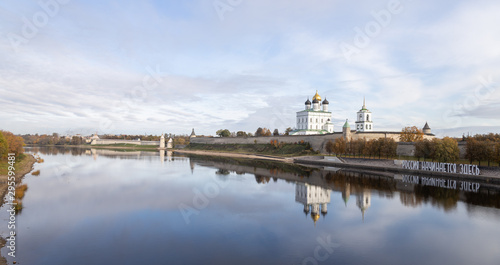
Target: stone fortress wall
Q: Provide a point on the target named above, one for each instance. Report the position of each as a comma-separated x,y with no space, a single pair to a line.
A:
318,142
118,141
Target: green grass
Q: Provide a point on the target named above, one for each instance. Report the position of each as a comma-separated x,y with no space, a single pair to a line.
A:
261,149
4,164
127,145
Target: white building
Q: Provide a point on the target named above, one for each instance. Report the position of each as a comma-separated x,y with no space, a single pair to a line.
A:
315,118
364,122
314,199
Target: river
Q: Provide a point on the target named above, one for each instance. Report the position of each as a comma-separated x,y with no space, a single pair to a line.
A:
112,207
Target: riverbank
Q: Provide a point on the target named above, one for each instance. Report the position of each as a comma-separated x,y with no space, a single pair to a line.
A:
22,168
274,148
491,175
235,155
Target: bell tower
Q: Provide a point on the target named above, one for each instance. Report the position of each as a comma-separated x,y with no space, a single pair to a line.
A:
364,122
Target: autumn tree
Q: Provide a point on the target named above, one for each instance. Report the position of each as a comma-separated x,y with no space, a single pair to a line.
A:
446,150
388,147
76,140
424,149
241,134
288,130
472,149
276,132
262,132
358,146
4,147
339,146
496,154
15,143
329,147
411,134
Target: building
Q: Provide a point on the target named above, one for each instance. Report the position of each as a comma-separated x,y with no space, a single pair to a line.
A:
315,118
364,122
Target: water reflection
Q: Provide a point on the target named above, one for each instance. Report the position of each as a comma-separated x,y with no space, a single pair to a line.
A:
361,183
123,208
314,199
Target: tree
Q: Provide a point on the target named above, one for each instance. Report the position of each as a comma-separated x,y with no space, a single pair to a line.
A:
424,149
223,133
276,132
446,150
339,146
497,153
241,134
262,132
76,140
329,147
259,131
15,143
288,130
358,146
411,134
388,147
4,147
472,149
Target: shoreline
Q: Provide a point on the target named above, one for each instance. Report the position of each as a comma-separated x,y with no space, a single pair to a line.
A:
237,155
379,165
28,165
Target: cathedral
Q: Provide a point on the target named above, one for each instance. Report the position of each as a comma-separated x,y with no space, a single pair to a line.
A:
315,118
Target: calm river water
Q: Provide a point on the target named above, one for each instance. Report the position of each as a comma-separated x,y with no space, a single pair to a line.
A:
109,207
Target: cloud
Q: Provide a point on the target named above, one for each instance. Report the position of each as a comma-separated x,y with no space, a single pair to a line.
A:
88,64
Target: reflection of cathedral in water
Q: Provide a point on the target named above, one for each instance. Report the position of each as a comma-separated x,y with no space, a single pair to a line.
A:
314,199
364,201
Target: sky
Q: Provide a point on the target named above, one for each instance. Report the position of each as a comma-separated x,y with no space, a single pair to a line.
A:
147,67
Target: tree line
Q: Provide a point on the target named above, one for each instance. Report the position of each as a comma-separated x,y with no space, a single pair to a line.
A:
483,148
261,131
381,147
56,139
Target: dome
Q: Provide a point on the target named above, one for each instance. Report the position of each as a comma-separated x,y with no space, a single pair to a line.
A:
308,102
317,97
315,217
315,101
325,102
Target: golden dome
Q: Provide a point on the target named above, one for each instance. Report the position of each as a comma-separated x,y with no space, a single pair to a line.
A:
315,217
317,96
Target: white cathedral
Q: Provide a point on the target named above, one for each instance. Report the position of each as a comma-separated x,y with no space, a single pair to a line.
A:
316,119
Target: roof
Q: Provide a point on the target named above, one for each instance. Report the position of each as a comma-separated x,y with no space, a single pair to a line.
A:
346,124
326,101
317,97
426,126
308,102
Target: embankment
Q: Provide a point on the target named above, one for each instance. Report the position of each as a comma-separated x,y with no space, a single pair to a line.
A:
22,168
